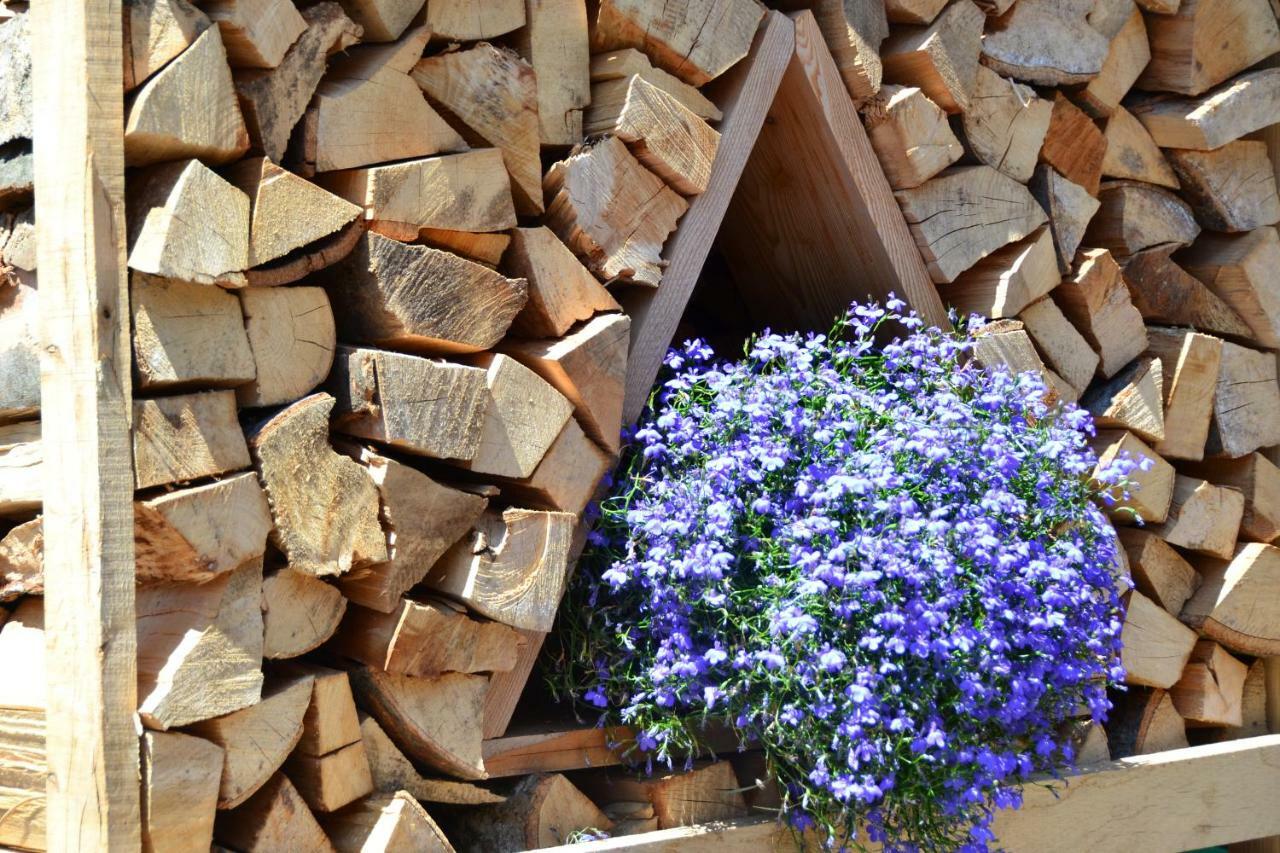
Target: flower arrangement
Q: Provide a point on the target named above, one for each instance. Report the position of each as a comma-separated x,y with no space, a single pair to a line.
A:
882,564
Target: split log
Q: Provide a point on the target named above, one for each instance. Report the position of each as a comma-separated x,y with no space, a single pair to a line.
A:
256,33
462,20
1202,517
21,469
156,31
853,32
330,721
1246,404
1146,722
392,771
1005,282
285,211
187,223
1070,208
1259,481
300,472
611,74
1064,349
1204,42
345,125
561,290
292,336
486,249
1191,362
555,43
199,648
1127,55
299,613
383,20
434,720
1244,105
161,126
511,567
913,11
1097,301
425,639
180,779
1238,269
1089,743
1137,216
911,136
176,439
612,212
275,818
1166,293
415,297
333,780
308,259
385,822
19,244
25,777
423,519
1159,571
19,351
523,415
21,561
1232,188
1149,494
257,739
1133,399
273,101
542,811
1004,343
1253,706
1211,690
695,41
1046,43
1073,145
1155,645
494,93
965,214
568,476
708,793
1005,124
1236,603
423,406
1132,154
940,59
186,335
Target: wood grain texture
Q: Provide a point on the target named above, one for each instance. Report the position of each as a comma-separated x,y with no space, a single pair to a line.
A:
1245,104
696,40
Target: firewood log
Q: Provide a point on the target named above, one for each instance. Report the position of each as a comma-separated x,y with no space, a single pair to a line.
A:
24,779
1232,188
187,223
425,639
1204,42
158,128
1253,706
385,822
1259,481
910,135
180,781
523,415
555,43
1202,517
707,793
21,560
1132,154
383,20
1234,605
1246,404
1155,645
1073,145
1064,349
1144,722
1004,343
612,212
1089,742
256,33
1190,363
257,739
177,439
18,239
15,42
156,31
19,352
1070,208
1159,571
853,32
185,335
965,214
199,648
486,249
21,466
1211,690
1237,269
462,20
940,59
1127,55
611,74
542,811
1005,124
1097,301
1133,399
568,476
1137,216
1245,104
299,613
561,290
1166,293
392,771
414,297
292,336
285,211
275,818
1151,492
695,40
299,472
1046,43
511,567
913,11
330,721
1008,280
333,780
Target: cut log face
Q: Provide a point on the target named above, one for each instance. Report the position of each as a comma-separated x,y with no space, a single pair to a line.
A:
1159,571
423,406
186,335
461,20
1070,207
1005,282
522,417
1204,42
199,648
300,471
1238,270
568,476
392,771
21,561
611,74
1242,106
329,782
385,822
911,136
1005,124
1089,743
1165,293
19,352
1064,349
273,101
1253,705
1211,690
187,223
292,335
486,249
426,639
434,720
256,33
612,212
299,613
1148,494
1046,43
941,59
671,141
1132,154
555,43
21,468
1127,55
330,721
965,214
1155,646
1203,517
561,290
1137,216
1097,301
853,32
1234,604
160,126
1133,399
275,818
1191,362
415,297
382,20
423,519
1232,188
1146,722
1259,481
542,811
708,793
257,739
156,31
913,11
696,40
1074,146
1246,404
494,93
180,780
176,439
1004,343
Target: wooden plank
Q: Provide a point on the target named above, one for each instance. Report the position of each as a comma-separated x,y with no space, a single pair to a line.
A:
92,743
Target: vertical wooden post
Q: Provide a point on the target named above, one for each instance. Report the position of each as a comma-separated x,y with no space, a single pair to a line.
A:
91,736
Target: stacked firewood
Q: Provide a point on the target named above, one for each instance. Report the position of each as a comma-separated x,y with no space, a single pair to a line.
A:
375,249
1097,178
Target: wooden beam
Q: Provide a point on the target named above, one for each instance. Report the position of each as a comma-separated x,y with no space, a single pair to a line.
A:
93,793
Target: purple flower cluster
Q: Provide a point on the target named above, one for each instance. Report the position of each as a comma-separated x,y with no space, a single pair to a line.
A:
883,564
